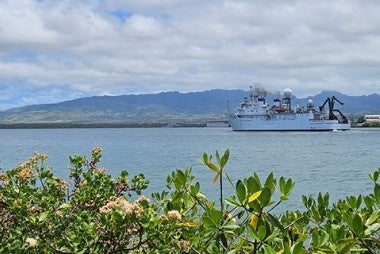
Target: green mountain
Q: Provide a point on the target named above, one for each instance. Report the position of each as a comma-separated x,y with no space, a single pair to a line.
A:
165,107
162,108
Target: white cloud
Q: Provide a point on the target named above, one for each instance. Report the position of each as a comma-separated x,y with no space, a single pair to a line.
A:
20,25
190,45
140,26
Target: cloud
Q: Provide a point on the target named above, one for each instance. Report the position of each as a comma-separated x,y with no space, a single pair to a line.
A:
116,47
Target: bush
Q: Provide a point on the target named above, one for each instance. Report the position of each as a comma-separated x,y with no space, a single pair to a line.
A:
40,213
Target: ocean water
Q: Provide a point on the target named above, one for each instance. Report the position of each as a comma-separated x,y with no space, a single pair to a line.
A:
334,162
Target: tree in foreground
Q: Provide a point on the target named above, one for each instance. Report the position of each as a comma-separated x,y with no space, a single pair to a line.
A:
94,213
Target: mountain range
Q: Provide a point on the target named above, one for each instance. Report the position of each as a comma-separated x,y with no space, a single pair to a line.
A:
164,108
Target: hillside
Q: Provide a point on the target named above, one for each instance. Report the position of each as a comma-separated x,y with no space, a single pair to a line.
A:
168,107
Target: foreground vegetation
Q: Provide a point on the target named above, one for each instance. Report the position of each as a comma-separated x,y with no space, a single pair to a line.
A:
40,213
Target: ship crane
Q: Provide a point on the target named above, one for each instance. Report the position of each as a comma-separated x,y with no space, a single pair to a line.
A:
331,103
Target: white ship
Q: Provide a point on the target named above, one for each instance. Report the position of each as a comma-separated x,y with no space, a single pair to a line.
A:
254,114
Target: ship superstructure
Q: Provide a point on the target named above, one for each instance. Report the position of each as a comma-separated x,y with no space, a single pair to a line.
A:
255,114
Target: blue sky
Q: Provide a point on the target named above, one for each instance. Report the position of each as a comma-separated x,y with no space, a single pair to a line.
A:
56,50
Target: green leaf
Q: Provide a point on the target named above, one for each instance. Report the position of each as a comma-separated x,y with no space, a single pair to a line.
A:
326,199
315,239
224,159
217,156
227,154
33,218
194,189
42,217
369,201
215,215
276,222
297,248
205,158
265,197
377,192
253,185
253,232
282,184
345,246
65,206
326,249
256,206
181,177
374,176
177,183
374,216
241,191
348,219
45,173
323,238
261,233
286,248
357,225
270,182
232,201
268,249
354,202
213,167
372,229
231,227
315,213
208,222
304,201
177,196
288,186
335,232
256,176
197,186
209,164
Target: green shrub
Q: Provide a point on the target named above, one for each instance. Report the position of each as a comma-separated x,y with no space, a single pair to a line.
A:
94,213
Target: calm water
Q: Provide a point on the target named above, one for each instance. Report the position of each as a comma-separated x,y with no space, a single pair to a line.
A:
335,162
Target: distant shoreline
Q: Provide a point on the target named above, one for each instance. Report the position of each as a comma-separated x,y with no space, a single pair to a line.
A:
114,125
96,125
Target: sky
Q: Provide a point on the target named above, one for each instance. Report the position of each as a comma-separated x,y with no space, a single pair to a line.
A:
57,50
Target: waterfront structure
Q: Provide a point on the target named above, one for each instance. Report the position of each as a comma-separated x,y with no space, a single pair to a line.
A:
372,118
223,123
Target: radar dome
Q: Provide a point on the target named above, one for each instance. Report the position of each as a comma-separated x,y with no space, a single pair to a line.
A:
288,93
310,104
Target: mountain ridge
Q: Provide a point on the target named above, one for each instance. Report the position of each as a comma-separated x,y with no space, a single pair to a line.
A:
164,107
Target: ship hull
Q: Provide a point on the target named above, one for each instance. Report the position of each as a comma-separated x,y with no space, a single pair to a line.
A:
289,122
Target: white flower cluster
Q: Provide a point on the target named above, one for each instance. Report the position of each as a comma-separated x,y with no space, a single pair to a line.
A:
126,207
